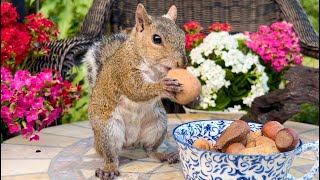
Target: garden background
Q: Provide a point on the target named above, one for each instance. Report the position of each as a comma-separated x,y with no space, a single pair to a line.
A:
68,15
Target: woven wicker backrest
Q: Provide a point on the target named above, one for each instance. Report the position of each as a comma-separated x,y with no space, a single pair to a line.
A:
243,15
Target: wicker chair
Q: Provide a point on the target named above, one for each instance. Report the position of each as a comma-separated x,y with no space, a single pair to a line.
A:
243,15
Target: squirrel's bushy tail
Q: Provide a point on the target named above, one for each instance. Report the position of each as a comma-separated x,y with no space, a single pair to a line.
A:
98,53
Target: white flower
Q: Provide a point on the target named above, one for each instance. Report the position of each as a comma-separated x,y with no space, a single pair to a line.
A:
258,89
238,62
193,71
224,47
236,108
240,36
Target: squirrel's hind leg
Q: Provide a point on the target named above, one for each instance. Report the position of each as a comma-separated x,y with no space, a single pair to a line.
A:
171,158
153,135
109,139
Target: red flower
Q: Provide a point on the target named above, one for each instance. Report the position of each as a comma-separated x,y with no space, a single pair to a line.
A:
9,15
220,27
192,27
21,41
15,45
44,28
193,38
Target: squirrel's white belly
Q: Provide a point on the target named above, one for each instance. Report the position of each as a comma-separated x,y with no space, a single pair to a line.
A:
141,121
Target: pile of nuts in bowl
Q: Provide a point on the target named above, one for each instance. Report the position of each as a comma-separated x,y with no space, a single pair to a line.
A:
273,138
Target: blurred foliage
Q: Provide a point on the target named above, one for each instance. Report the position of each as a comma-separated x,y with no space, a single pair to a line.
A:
79,111
312,9
67,14
309,114
310,61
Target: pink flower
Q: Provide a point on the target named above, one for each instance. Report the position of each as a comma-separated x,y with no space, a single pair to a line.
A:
276,44
36,85
27,130
22,74
266,57
19,112
55,113
32,115
261,51
5,111
264,29
56,90
6,75
14,128
17,84
6,94
38,103
298,59
45,122
45,76
25,100
34,137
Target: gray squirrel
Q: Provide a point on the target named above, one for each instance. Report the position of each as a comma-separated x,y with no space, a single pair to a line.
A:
126,74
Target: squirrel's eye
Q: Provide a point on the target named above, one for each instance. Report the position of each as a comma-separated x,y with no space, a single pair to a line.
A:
156,39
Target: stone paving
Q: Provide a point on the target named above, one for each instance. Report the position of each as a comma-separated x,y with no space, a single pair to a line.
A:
66,152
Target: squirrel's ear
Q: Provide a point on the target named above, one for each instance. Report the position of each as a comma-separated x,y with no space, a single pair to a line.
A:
142,18
172,13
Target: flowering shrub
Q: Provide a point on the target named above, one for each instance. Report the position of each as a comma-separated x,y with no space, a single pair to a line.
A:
232,68
27,100
30,101
277,44
22,43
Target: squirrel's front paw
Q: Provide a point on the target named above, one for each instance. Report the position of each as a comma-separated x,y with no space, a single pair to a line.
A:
170,87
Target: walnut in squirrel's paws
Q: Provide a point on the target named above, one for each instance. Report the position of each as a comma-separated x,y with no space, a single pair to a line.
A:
191,86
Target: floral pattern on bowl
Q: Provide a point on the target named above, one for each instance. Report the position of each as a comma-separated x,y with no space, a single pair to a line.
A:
198,164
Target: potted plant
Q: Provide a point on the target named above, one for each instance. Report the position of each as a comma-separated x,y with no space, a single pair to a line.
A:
236,68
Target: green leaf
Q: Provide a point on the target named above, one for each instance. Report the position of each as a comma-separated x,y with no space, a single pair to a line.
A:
38,122
237,98
31,2
48,6
223,103
5,103
24,124
12,107
222,100
229,75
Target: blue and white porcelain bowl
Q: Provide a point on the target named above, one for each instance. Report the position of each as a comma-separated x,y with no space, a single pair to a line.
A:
198,164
